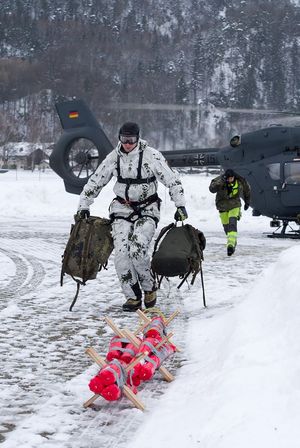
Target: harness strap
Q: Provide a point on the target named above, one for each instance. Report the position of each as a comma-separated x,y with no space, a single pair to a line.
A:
113,216
138,180
135,205
139,173
130,181
137,209
148,201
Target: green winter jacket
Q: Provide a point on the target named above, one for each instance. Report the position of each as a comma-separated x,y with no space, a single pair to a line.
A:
227,199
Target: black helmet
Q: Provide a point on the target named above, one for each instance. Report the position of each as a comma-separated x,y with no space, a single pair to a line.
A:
129,128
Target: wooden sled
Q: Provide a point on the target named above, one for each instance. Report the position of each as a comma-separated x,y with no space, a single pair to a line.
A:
132,337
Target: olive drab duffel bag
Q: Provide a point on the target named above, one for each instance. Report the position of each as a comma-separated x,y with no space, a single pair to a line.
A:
178,251
87,251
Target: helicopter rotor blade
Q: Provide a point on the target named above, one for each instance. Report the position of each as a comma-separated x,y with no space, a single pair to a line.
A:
195,107
259,111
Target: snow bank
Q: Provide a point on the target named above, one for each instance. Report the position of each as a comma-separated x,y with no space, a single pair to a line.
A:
241,385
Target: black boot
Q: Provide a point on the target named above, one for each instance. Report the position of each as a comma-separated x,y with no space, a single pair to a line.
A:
149,298
132,305
230,250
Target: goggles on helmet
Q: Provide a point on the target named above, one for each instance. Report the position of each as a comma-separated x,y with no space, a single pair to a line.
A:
130,139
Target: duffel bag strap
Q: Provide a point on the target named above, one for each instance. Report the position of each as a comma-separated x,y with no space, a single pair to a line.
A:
163,231
74,231
77,292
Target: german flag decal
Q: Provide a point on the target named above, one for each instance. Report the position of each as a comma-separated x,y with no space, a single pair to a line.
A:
73,114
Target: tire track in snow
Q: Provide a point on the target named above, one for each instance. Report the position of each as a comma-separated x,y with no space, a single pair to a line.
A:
29,274
42,345
46,372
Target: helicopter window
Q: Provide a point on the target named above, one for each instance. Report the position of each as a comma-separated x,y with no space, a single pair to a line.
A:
292,173
274,171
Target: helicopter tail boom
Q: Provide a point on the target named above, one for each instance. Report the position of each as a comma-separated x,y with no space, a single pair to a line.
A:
193,157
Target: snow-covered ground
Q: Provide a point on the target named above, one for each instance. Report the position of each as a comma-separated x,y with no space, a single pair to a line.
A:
238,375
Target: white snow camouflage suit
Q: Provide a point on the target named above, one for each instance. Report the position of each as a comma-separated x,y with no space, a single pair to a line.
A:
135,210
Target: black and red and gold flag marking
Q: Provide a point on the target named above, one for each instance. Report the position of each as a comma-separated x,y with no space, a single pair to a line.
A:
73,114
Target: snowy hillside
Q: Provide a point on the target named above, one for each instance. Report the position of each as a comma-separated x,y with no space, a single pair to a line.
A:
116,55
237,377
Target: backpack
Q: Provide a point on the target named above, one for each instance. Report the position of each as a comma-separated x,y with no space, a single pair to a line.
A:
180,253
87,251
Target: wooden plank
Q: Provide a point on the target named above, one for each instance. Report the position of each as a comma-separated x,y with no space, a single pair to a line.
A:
135,361
166,374
141,328
114,327
128,394
95,357
143,316
132,337
91,400
167,322
133,398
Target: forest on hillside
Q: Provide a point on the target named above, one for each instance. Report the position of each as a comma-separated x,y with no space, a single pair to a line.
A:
117,53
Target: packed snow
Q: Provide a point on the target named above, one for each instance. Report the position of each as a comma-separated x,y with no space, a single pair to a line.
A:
238,374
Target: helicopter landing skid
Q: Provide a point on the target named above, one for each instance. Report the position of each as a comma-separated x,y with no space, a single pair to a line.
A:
281,232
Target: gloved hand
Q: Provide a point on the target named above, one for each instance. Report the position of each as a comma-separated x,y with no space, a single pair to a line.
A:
84,213
229,188
180,214
246,206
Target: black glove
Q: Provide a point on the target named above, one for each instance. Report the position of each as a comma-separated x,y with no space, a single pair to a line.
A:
180,214
229,188
246,206
84,213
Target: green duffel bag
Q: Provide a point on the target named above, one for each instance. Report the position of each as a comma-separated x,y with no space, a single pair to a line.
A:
178,251
87,251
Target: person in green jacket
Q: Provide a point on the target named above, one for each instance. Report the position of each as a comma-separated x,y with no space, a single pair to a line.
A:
230,188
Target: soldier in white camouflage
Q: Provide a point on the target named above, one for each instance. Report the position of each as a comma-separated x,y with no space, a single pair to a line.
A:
135,211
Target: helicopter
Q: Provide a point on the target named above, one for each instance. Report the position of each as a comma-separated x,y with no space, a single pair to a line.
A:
268,158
